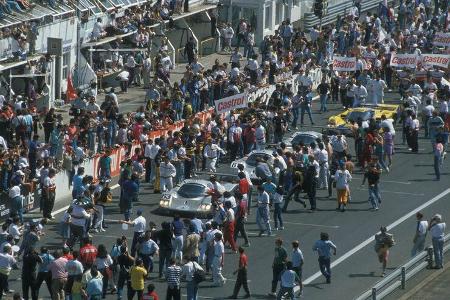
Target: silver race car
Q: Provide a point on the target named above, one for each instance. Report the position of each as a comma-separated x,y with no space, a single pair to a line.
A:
250,161
304,137
192,198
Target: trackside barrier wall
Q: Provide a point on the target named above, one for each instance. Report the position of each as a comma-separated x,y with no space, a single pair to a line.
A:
63,179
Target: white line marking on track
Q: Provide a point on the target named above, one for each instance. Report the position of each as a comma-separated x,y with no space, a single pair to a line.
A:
371,238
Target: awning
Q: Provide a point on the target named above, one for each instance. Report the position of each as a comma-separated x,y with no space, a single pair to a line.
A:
194,10
36,13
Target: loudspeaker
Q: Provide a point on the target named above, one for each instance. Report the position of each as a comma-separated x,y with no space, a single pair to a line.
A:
55,46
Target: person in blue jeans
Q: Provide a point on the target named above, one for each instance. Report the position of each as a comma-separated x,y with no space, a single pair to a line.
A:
373,177
323,89
323,248
278,202
305,106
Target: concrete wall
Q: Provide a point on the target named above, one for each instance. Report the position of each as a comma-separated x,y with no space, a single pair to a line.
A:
200,25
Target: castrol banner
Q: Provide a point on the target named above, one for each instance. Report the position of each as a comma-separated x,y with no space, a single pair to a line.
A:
232,102
442,39
403,60
344,64
440,60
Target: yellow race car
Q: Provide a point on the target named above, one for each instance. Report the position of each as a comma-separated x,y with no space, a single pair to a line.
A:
341,124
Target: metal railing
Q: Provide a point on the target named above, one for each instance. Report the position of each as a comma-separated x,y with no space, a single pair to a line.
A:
398,278
338,8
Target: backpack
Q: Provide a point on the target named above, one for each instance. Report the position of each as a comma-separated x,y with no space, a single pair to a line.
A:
199,274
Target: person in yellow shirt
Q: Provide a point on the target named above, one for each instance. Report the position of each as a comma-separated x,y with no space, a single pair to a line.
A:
137,274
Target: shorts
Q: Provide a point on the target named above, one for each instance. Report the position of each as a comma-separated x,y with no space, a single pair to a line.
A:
298,271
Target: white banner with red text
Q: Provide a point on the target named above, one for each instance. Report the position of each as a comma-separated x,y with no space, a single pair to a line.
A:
403,60
344,64
229,103
442,39
440,60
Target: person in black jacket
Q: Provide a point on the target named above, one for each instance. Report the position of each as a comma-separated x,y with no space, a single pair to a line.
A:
31,259
164,237
189,50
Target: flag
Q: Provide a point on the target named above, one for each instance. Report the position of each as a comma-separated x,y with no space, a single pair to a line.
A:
71,93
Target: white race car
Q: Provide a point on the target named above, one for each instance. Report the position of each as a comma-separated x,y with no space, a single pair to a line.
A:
191,198
250,161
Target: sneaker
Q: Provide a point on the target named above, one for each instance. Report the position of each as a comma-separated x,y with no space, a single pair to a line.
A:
102,230
276,228
282,228
247,245
272,294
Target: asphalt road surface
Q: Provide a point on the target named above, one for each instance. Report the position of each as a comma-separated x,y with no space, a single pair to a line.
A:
408,188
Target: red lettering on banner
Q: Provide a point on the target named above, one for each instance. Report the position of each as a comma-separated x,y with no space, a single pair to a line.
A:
437,60
231,103
403,61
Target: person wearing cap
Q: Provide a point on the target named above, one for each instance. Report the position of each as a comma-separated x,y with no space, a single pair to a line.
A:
437,230
139,226
383,242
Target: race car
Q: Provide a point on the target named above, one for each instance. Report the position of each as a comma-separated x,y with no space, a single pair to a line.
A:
341,124
192,197
250,161
303,137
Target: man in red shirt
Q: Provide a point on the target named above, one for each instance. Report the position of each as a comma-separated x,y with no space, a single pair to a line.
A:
88,253
151,294
242,276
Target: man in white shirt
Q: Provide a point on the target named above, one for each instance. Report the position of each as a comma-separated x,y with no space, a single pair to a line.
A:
387,123
360,94
123,78
420,235
218,260
188,271
139,226
378,90
167,172
228,36
323,164
153,151
211,152
260,135
437,230
97,31
92,106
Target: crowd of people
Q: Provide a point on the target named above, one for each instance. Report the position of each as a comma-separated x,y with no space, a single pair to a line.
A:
191,248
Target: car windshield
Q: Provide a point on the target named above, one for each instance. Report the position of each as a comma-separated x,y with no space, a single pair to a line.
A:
355,115
192,190
251,160
303,139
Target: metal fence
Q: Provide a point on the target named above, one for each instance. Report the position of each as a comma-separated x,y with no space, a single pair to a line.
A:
336,8
398,278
